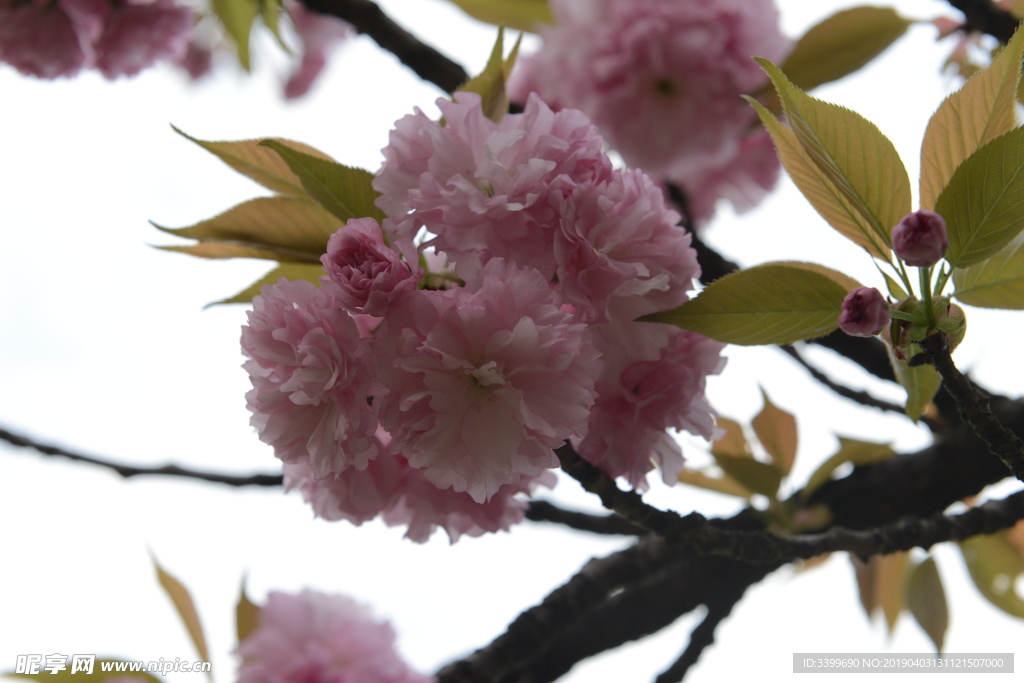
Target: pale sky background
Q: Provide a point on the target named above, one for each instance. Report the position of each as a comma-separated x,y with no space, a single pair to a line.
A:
105,348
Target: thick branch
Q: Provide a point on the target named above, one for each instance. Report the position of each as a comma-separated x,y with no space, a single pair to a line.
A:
982,15
368,18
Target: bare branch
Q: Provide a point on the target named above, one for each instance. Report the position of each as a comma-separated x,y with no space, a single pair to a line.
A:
543,511
984,16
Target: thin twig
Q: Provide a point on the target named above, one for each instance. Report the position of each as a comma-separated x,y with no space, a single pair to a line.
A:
700,639
614,525
127,471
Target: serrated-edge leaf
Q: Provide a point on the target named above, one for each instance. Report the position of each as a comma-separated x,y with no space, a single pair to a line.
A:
996,282
522,15
186,609
289,271
294,227
237,17
991,557
926,600
757,476
270,12
851,152
983,204
724,484
261,164
98,674
247,615
343,190
776,430
842,44
767,304
850,450
843,279
921,383
821,192
982,110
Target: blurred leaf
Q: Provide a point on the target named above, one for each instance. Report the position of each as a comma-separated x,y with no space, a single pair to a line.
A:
812,562
767,304
852,153
289,271
979,112
278,228
237,17
926,600
996,282
733,442
344,191
921,383
97,673
881,582
850,450
757,476
247,615
995,563
982,202
895,290
270,12
826,198
261,164
491,82
186,610
776,430
726,484
522,15
841,44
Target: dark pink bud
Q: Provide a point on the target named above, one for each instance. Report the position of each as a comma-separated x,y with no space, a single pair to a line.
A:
865,312
920,239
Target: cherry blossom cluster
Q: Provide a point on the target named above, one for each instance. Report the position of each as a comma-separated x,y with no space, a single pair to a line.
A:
319,638
488,320
662,81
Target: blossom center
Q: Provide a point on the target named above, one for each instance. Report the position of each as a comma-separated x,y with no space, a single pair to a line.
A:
487,375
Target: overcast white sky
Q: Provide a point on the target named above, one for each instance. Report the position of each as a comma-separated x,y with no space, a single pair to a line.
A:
105,348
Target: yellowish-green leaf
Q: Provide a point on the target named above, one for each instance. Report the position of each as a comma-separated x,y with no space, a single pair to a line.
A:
237,17
756,476
522,15
279,228
289,271
921,383
983,204
98,674
247,615
996,282
261,164
776,430
995,564
344,191
926,600
822,193
490,83
182,601
895,290
841,44
270,12
881,585
733,442
768,304
850,450
724,484
979,112
852,153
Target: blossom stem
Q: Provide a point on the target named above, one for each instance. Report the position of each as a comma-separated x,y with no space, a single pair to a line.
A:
926,293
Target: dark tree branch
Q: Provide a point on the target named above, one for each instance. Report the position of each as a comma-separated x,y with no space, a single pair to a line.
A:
543,511
983,16
368,18
700,639
127,471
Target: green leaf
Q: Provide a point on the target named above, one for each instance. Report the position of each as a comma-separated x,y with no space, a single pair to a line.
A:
979,112
852,153
926,600
522,15
97,673
289,271
278,228
270,12
994,564
830,203
983,204
996,282
491,82
850,450
776,430
237,17
841,44
247,615
726,484
768,304
921,382
757,476
186,610
263,165
344,191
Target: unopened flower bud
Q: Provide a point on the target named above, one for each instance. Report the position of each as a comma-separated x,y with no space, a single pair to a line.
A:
920,239
865,312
